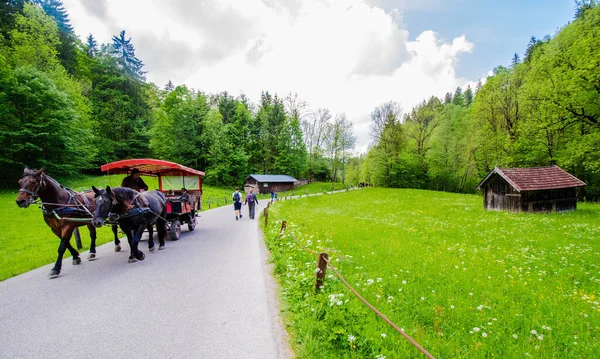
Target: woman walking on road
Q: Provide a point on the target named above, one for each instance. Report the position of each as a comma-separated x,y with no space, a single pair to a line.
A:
237,203
251,201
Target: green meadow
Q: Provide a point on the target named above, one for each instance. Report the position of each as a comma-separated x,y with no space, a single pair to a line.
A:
463,282
27,243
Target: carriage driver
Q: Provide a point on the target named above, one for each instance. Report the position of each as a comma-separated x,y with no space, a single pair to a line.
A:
134,181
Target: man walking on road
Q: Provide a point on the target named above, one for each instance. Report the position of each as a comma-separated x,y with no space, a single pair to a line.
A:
237,203
252,201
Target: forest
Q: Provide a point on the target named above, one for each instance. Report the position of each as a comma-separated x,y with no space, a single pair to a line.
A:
71,104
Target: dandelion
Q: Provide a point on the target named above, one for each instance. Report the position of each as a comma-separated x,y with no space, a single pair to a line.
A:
403,282
476,329
351,338
451,307
534,332
480,307
515,336
484,335
422,298
540,337
383,335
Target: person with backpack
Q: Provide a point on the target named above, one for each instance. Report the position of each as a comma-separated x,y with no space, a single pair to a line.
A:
251,201
237,203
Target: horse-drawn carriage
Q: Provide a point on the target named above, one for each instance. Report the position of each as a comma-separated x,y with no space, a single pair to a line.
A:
181,185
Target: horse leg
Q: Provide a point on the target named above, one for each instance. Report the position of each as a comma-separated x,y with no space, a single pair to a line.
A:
92,254
115,230
57,266
67,232
161,228
134,244
129,235
150,238
74,253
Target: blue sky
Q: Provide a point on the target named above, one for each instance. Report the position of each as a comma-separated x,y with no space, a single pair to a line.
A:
498,29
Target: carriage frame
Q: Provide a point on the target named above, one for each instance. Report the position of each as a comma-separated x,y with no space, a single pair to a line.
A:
180,208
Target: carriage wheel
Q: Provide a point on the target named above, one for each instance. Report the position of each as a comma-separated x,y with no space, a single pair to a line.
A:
192,223
175,230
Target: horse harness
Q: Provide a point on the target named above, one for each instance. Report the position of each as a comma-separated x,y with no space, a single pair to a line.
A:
72,207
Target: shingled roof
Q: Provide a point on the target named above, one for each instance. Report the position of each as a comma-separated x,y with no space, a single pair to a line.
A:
535,179
273,178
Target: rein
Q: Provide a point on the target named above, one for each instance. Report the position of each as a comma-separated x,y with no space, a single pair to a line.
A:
72,198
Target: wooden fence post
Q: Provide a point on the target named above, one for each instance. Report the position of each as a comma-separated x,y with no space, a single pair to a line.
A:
283,227
225,200
217,202
208,200
320,271
268,204
266,217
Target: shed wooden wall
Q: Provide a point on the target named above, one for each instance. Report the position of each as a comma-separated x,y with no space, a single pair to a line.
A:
499,195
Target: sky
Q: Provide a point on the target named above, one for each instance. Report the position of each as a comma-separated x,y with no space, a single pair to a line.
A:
348,56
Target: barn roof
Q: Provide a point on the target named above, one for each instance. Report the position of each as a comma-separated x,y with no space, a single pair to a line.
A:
535,179
273,178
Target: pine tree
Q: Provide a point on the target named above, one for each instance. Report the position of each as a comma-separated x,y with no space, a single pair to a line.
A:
124,51
448,98
67,49
515,60
479,86
468,96
55,9
458,98
92,46
169,86
533,42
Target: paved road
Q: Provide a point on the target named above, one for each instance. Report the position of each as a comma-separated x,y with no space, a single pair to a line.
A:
208,295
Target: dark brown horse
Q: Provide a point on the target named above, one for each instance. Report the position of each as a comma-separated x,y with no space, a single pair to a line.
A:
135,212
63,210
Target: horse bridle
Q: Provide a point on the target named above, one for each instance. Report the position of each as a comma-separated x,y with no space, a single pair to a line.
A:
34,194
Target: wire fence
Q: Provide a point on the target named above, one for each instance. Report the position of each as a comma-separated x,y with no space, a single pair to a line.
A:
322,263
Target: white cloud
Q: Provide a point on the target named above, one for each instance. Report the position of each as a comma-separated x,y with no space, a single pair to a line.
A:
349,56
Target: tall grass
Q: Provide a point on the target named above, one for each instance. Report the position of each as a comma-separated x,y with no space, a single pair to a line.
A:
465,283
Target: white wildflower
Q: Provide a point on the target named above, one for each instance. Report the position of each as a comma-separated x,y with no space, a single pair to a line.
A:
515,336
476,329
383,335
534,332
484,335
351,338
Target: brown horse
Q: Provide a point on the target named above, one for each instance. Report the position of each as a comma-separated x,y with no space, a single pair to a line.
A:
63,210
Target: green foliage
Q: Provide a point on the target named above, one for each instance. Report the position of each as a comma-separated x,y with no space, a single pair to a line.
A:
441,268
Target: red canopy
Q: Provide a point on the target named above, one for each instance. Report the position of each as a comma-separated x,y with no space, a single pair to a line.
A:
149,166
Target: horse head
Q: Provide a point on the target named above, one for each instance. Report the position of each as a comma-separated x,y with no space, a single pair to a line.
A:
105,201
30,184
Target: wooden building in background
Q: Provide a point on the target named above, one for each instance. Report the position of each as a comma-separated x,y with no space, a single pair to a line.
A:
540,189
268,183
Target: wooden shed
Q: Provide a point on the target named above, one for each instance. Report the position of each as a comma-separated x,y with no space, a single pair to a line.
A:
539,189
268,183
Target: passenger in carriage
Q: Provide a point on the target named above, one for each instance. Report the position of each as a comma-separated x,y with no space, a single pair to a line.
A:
185,196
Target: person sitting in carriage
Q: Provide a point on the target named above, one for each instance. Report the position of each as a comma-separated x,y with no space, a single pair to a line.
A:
134,181
185,196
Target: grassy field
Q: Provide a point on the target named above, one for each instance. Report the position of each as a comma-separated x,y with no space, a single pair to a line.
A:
311,188
463,282
27,243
